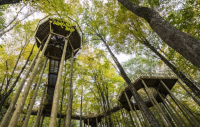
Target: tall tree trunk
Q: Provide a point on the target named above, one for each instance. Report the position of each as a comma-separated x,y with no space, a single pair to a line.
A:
20,54
70,94
181,42
174,69
22,100
56,96
3,99
2,2
63,92
28,114
39,113
137,97
81,105
8,115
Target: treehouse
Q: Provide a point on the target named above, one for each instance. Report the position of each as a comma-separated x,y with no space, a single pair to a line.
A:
61,33
59,41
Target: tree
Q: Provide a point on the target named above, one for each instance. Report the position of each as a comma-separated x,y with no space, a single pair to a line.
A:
183,43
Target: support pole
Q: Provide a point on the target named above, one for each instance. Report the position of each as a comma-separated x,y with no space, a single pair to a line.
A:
192,120
22,100
194,98
137,124
158,106
177,119
70,94
131,119
39,113
56,96
88,121
28,114
8,115
137,115
41,121
178,116
96,122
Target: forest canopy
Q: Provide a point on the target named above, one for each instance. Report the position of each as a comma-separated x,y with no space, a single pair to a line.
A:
120,41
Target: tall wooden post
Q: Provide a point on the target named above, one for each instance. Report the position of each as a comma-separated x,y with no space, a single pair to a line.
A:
20,105
56,96
96,121
193,97
70,94
88,121
157,106
189,116
39,113
8,115
137,124
174,116
34,96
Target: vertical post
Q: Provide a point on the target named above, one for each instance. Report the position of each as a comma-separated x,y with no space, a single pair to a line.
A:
194,98
34,96
22,100
190,118
131,119
41,121
137,124
70,94
8,115
39,113
96,122
157,105
88,121
178,116
56,96
137,115
81,106
174,116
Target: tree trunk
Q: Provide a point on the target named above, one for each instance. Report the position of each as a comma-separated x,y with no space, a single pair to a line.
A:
2,2
56,96
81,107
22,100
63,92
174,69
181,42
34,96
137,97
70,94
8,115
3,99
39,113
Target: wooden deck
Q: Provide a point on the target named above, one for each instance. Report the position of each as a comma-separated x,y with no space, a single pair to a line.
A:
58,38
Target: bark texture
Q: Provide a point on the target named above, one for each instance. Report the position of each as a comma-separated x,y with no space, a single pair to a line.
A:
136,96
8,115
174,69
22,100
183,43
70,95
28,114
2,2
56,96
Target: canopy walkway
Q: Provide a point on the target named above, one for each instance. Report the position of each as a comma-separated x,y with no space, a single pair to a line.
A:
58,45
151,81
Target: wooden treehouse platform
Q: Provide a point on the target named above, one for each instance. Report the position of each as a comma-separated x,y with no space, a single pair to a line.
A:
54,51
58,38
151,82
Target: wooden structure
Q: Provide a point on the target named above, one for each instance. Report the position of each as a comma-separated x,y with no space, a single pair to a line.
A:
54,51
59,44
